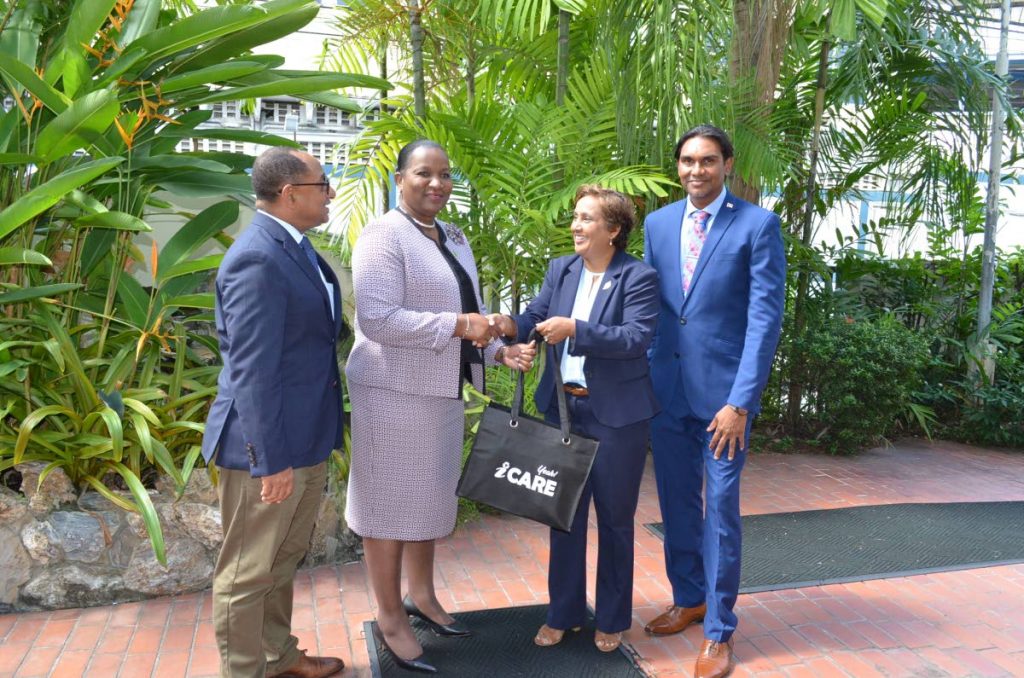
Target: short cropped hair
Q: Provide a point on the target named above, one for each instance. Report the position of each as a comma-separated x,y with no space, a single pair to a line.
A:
708,132
275,167
411,147
616,208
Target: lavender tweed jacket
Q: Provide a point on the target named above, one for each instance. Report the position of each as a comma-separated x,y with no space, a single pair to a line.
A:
407,303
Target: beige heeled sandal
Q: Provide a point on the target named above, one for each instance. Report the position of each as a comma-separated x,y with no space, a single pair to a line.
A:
607,642
547,636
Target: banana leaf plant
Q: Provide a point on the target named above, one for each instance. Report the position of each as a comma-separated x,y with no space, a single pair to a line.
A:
98,374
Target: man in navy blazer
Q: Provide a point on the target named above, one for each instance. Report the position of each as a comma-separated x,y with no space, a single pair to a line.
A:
277,415
722,271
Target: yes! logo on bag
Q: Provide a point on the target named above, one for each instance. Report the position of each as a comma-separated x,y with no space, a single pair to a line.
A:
540,482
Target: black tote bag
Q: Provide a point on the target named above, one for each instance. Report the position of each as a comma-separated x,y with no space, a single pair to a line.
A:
526,466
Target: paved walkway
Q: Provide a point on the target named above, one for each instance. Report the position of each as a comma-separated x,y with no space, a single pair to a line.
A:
966,623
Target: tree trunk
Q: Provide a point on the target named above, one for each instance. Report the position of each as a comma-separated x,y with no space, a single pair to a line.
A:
416,37
803,280
760,32
562,73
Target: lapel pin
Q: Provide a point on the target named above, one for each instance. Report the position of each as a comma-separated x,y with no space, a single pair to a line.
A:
607,285
729,205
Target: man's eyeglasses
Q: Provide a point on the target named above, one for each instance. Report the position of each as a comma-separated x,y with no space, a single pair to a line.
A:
325,186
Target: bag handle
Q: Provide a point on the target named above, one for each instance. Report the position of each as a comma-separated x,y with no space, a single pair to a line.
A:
563,407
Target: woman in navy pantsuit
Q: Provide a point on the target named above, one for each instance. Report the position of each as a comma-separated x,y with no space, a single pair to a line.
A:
597,310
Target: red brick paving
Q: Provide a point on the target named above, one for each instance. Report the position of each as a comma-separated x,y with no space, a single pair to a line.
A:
964,623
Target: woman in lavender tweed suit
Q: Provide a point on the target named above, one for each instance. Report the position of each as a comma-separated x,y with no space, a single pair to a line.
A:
419,333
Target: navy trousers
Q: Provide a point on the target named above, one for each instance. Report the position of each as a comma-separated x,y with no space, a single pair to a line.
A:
703,535
614,485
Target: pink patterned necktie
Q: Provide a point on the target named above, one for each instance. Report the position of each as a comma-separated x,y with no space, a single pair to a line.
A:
698,235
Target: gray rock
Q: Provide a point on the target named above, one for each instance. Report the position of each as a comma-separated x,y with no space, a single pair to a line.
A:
94,501
189,568
13,506
81,535
198,489
74,585
323,545
15,565
41,541
201,522
55,490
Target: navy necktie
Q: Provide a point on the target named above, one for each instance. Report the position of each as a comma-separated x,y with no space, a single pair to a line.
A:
307,247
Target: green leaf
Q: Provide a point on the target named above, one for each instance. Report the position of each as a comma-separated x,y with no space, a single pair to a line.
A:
110,495
295,87
191,31
571,6
20,37
146,510
211,74
87,17
142,20
118,221
176,161
843,19
47,195
243,135
142,409
38,292
208,263
196,233
112,422
874,10
33,419
18,159
191,301
22,74
79,126
282,18
16,255
135,301
200,184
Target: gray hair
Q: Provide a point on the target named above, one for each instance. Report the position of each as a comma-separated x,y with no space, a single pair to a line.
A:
275,167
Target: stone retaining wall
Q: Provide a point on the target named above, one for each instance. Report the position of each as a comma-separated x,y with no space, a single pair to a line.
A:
60,550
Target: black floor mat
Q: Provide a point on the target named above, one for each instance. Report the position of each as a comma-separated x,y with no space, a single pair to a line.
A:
810,548
502,647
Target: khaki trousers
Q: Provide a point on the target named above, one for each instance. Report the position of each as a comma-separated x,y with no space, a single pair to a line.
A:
253,581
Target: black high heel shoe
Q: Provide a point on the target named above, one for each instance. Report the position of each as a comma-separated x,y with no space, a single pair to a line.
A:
416,664
454,630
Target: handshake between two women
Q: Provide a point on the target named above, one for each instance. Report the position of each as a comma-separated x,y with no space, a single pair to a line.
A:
481,330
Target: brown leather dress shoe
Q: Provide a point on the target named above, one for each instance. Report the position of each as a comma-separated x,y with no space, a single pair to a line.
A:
675,619
312,667
715,660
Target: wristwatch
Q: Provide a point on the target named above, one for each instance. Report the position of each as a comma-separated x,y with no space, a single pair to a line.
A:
742,411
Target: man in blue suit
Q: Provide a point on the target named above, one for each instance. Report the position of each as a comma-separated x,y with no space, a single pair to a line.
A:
276,418
722,271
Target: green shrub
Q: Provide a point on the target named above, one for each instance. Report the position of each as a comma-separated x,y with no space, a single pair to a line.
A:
991,414
860,378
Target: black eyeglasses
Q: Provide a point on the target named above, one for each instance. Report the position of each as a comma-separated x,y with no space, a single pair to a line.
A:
324,185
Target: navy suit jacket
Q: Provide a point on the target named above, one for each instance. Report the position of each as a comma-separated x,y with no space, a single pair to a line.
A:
614,339
716,345
279,393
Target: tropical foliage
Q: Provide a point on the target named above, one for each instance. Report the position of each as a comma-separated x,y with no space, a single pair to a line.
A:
102,377
827,101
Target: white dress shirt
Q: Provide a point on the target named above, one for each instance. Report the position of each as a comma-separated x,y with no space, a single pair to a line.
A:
586,292
686,228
